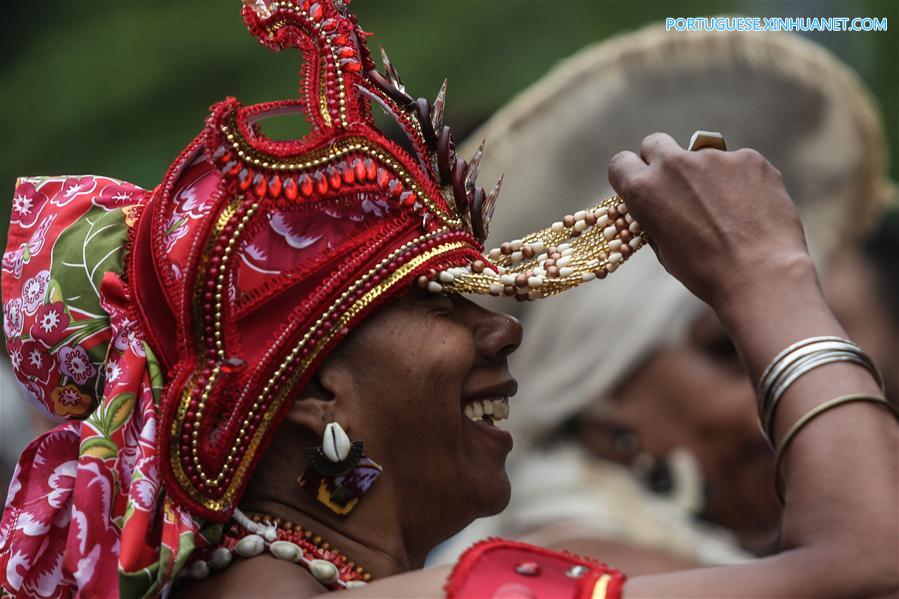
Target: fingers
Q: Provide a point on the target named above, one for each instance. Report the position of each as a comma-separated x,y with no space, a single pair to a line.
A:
629,175
624,169
657,146
627,170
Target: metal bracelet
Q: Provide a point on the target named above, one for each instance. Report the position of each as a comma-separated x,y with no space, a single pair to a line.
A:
803,367
767,372
785,359
811,415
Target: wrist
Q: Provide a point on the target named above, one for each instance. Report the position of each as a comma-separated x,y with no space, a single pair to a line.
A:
769,290
775,308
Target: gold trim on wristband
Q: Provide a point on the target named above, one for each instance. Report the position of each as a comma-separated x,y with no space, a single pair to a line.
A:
601,589
814,413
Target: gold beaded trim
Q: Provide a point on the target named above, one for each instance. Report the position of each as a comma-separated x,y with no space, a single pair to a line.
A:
325,156
226,499
177,424
323,102
582,247
317,27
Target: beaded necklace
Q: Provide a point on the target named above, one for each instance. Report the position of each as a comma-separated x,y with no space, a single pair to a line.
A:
249,536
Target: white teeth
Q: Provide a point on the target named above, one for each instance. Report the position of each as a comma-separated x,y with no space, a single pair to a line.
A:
499,410
495,409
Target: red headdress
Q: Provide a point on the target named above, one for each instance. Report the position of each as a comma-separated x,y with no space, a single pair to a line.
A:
250,262
295,243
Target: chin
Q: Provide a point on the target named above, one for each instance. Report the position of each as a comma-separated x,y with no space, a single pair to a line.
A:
494,495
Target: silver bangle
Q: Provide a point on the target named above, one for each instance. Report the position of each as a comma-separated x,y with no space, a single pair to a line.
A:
799,355
787,358
764,384
797,360
804,366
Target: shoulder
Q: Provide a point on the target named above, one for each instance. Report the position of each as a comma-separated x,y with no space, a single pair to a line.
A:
261,577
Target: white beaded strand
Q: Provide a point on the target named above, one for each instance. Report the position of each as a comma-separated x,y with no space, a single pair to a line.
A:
264,537
583,246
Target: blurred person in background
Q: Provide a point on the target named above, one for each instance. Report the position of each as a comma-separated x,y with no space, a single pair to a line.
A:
863,290
635,434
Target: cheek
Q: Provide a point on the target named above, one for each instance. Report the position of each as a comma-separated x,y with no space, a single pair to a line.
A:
412,420
437,373
449,353
411,383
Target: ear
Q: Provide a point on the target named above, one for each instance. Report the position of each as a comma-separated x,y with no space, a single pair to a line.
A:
324,399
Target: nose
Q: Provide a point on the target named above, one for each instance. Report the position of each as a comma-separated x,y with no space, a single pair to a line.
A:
498,335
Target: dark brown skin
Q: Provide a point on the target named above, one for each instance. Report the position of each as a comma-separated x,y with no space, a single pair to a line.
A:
634,559
399,384
723,224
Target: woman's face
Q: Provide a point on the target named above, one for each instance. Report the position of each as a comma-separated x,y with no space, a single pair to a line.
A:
859,304
695,395
414,367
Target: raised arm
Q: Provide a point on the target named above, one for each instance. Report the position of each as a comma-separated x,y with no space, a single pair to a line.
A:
724,225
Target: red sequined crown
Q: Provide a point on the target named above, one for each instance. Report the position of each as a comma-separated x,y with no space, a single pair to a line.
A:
256,257
292,243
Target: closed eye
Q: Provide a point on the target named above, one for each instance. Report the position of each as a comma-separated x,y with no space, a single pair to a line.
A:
437,302
442,302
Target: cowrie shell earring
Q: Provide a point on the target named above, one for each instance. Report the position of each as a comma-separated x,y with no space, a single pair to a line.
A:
339,473
336,443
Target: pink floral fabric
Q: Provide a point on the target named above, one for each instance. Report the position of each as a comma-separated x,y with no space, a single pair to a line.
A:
89,489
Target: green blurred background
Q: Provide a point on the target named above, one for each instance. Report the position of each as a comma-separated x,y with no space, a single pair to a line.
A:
118,87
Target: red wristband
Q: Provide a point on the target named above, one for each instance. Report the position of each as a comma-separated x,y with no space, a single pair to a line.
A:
501,569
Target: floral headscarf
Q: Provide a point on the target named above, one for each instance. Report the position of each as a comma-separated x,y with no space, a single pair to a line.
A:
86,489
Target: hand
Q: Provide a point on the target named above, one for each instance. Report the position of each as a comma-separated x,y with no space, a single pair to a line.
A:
721,222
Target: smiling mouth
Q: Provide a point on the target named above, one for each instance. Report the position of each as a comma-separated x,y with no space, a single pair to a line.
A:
488,410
